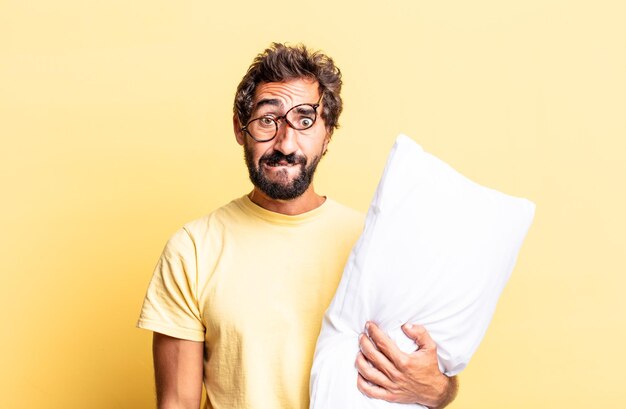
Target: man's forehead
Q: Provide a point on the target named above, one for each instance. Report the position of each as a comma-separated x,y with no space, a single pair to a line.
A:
286,93
273,102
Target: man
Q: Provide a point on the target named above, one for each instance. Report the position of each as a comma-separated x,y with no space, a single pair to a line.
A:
238,296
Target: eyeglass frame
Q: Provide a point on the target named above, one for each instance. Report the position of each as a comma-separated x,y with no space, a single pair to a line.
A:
275,120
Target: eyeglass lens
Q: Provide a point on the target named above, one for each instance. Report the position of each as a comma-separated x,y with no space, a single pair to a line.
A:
299,117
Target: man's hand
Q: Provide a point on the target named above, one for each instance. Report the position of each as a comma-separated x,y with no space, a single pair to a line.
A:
385,372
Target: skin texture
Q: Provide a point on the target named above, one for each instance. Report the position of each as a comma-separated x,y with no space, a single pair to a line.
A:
385,372
178,372
396,377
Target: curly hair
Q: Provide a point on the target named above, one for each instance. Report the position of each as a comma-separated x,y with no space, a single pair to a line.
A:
282,62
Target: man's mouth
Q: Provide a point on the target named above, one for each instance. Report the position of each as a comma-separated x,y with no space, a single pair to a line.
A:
282,163
277,160
279,163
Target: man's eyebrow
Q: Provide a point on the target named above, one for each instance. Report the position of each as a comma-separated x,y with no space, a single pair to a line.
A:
305,109
268,101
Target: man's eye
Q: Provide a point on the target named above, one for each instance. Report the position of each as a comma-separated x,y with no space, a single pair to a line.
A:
267,121
306,122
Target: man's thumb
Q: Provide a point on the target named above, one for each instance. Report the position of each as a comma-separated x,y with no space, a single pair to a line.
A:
418,334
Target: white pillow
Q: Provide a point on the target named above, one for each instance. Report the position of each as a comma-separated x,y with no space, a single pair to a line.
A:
436,250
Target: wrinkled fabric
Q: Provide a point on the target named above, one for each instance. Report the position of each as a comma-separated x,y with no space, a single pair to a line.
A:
252,286
436,250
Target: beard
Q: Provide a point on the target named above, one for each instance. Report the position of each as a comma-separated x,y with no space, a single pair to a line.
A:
283,189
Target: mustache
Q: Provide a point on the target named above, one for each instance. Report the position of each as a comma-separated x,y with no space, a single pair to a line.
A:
276,157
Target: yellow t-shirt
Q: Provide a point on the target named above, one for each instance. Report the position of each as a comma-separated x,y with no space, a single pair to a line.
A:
253,285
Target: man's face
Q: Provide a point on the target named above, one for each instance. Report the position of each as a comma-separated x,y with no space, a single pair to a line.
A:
283,168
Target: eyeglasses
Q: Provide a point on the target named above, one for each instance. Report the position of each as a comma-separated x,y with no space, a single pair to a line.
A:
299,117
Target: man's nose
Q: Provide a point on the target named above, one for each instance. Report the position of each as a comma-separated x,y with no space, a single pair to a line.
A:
286,140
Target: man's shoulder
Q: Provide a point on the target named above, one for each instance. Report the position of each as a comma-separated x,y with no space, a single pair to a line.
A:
187,236
216,218
345,213
340,207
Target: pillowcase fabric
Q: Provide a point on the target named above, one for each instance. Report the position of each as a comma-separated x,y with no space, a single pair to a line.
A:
436,250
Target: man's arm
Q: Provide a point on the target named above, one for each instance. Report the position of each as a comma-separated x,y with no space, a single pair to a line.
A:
385,372
450,391
178,368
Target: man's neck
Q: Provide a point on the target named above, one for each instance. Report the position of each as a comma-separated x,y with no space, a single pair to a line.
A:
306,202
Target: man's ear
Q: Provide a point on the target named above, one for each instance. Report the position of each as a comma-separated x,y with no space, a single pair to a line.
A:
238,132
326,142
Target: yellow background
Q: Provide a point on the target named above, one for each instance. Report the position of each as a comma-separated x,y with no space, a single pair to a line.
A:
115,126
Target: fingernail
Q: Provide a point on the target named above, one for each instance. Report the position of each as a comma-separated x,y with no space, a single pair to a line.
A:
408,326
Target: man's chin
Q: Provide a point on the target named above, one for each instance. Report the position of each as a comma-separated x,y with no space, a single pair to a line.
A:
284,175
282,188
287,187
280,192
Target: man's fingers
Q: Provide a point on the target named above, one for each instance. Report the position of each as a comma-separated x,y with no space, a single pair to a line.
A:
373,391
419,334
386,345
371,373
378,359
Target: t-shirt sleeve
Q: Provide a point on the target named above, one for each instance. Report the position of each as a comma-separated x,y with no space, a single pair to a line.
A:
171,303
